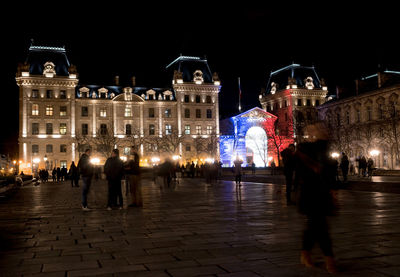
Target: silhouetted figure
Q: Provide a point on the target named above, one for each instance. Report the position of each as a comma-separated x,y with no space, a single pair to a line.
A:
370,167
315,179
54,174
132,169
288,170
273,166
64,173
74,175
363,166
114,170
58,174
238,171
86,171
253,168
344,165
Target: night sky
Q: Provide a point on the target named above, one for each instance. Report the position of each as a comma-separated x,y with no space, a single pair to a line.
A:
343,43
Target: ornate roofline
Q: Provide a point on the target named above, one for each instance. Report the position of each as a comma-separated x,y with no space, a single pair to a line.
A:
56,81
196,88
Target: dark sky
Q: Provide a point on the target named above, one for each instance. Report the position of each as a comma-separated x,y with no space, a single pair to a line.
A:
343,43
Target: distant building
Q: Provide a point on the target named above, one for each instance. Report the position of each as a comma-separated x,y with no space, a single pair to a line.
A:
60,117
292,94
366,122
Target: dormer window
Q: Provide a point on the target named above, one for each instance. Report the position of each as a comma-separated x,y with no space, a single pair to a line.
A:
102,93
128,94
83,92
151,94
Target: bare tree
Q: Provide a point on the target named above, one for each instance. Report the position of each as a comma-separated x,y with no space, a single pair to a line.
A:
82,142
135,139
170,142
105,141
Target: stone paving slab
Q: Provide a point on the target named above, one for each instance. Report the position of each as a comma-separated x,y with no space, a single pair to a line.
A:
190,229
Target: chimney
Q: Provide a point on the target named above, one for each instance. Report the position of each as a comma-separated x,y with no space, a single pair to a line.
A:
116,80
337,92
379,79
133,79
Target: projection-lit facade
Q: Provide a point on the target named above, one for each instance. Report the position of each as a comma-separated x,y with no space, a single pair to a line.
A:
251,137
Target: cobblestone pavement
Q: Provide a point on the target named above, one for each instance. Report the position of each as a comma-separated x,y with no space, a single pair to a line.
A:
192,229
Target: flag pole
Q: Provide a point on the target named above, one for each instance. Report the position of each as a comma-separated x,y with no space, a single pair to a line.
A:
240,95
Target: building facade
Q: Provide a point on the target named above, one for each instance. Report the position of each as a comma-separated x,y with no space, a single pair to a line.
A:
59,117
292,94
366,122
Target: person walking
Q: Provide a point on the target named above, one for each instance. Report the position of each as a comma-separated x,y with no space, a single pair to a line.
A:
74,175
238,171
114,170
132,169
315,178
54,174
344,165
370,166
58,174
253,168
363,166
288,170
273,166
86,171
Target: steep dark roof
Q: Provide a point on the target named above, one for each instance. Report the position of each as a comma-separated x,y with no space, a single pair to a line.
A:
39,55
188,65
296,71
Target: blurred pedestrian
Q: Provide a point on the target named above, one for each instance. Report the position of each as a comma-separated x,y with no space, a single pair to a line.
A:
74,175
253,168
58,174
114,170
132,169
238,170
370,167
288,170
315,178
344,165
86,171
54,174
273,166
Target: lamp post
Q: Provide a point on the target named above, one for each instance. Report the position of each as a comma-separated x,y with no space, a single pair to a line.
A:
374,153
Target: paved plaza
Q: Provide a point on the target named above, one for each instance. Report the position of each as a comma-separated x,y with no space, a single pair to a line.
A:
191,229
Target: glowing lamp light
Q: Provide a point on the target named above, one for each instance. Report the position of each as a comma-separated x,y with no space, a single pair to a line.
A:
217,83
36,160
198,82
269,159
45,158
42,136
309,87
179,81
49,75
72,76
294,86
95,160
374,152
155,160
335,155
176,157
28,165
124,158
324,88
14,162
20,161
25,74
209,160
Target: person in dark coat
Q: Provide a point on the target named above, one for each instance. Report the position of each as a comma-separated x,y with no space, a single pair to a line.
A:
54,174
288,170
344,165
363,166
86,171
64,173
114,170
74,175
370,167
315,177
132,170
58,174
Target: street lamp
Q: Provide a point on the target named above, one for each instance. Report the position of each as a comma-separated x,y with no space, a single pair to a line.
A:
45,158
335,155
374,152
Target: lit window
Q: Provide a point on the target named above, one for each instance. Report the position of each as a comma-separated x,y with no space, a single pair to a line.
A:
209,113
128,111
167,113
127,150
103,112
35,109
63,110
49,110
49,128
63,164
187,129
168,129
198,129
63,128
209,130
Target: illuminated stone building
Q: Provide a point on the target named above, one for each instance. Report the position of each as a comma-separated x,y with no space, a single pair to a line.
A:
366,120
59,116
292,94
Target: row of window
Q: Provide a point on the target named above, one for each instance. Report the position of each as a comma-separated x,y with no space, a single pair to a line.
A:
49,128
197,98
49,148
368,115
299,103
49,94
103,111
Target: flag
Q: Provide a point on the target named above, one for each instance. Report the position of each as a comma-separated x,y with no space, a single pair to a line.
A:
240,95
